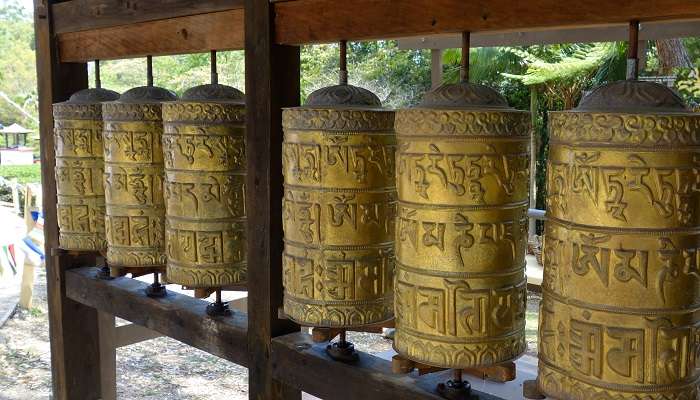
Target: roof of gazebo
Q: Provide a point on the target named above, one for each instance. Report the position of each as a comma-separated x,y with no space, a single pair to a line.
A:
15,128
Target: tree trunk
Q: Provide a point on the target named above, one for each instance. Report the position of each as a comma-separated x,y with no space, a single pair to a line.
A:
672,54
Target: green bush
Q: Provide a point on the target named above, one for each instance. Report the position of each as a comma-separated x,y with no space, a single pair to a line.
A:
23,173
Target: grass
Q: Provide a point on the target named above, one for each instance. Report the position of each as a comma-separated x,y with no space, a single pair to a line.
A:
23,173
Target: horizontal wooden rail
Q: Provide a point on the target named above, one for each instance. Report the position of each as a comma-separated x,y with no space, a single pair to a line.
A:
301,363
178,316
108,29
308,21
81,15
191,34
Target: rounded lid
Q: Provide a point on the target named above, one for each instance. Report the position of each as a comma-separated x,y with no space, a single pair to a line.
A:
214,93
147,94
464,95
632,96
343,96
94,95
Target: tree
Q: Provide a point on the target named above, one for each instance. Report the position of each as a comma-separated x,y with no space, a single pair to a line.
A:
672,55
17,64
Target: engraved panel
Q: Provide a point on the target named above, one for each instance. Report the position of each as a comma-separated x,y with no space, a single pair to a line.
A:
204,155
133,182
461,235
79,167
621,291
339,210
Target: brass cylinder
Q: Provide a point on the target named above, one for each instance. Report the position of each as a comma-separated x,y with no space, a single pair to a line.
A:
620,316
338,209
133,179
204,148
462,181
79,168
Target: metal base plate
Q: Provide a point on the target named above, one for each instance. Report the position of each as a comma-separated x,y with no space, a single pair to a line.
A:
156,290
344,353
105,274
218,309
456,390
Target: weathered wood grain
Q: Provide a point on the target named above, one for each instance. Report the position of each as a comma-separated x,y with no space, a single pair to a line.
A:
73,345
311,21
80,15
272,82
300,362
178,316
191,34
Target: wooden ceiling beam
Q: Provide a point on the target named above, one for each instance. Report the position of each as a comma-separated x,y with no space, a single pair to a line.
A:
162,27
81,15
191,34
318,21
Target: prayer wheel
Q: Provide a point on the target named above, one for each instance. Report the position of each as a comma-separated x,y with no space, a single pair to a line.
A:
204,148
79,169
461,229
133,180
620,313
338,209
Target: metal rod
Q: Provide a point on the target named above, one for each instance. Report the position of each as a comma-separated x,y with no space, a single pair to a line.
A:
149,71
343,74
457,375
633,51
98,80
156,280
464,67
218,295
343,337
214,73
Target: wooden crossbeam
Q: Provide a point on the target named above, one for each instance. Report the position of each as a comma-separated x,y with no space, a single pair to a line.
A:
305,21
107,29
191,34
178,316
369,379
81,15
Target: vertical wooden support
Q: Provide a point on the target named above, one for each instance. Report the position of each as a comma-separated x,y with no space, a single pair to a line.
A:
73,327
435,68
272,82
108,355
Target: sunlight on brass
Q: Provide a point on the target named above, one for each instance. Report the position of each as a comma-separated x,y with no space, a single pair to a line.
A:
133,180
338,209
620,314
79,168
462,181
204,147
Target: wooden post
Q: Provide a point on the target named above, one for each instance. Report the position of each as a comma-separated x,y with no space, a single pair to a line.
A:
534,148
435,68
272,82
73,327
108,355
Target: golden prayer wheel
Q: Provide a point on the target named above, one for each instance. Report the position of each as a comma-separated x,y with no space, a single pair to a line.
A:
461,229
79,169
204,148
620,314
133,179
338,209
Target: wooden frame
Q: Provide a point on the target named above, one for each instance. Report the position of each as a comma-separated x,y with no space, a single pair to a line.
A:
281,360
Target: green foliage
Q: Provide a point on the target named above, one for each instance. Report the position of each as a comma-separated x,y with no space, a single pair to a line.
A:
17,64
398,77
486,65
177,73
688,86
23,173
